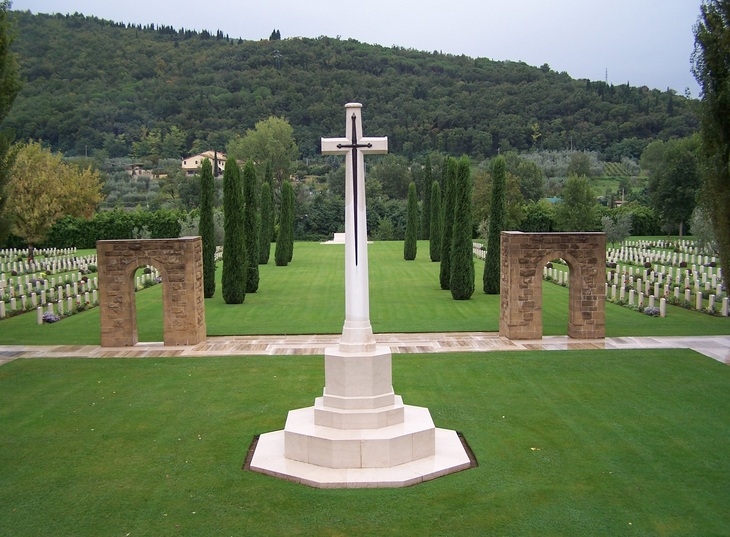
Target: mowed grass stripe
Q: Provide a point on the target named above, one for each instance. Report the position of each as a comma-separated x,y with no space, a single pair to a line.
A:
569,443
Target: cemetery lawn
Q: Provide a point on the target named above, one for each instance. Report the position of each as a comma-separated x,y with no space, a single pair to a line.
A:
599,443
307,297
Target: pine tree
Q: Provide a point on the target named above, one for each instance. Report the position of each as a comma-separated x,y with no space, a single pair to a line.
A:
462,258
285,238
253,223
424,231
206,227
267,215
447,219
434,243
233,282
410,245
492,263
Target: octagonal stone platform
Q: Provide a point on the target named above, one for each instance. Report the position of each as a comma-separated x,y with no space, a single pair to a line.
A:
450,456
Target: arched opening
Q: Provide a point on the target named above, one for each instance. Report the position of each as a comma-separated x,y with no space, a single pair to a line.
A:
148,312
523,257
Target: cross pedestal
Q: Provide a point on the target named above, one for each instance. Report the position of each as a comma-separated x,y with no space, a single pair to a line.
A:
358,433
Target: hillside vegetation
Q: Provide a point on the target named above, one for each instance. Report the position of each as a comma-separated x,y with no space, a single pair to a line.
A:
93,85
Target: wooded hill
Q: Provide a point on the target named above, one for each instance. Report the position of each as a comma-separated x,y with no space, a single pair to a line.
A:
92,84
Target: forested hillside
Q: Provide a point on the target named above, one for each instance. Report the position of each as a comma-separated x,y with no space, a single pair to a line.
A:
93,85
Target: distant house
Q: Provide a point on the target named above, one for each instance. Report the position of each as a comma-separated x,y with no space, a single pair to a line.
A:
191,165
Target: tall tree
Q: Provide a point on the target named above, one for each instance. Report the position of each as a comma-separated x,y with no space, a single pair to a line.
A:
447,219
711,68
271,140
434,242
578,209
43,188
424,231
233,281
9,87
267,215
410,245
462,259
206,227
252,221
674,184
285,237
492,263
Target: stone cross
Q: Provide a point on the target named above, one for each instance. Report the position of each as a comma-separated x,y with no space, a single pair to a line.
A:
357,333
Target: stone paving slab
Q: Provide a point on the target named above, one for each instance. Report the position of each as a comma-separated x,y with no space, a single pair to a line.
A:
716,347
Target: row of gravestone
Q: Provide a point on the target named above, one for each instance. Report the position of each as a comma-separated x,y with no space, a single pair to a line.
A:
699,277
684,245
697,299
69,304
638,256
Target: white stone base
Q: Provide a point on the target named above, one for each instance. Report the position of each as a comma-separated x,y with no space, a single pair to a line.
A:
450,457
384,447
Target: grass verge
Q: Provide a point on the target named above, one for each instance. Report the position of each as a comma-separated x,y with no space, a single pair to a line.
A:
569,443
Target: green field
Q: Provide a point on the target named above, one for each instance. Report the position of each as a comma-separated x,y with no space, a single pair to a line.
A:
569,443
307,297
574,443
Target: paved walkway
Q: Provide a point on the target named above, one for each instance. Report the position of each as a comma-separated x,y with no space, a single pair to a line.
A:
716,347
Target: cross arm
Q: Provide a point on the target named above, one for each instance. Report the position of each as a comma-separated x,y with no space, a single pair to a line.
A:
329,146
378,146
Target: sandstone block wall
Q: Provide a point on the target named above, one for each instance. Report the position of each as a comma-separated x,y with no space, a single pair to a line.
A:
523,257
180,263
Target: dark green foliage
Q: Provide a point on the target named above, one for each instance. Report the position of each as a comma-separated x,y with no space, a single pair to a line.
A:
252,223
109,225
267,214
711,67
674,184
578,209
411,243
9,87
434,245
539,217
233,281
424,231
267,223
492,263
447,220
206,228
462,259
446,101
285,238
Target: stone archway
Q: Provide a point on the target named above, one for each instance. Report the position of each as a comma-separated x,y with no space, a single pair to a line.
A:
523,257
180,262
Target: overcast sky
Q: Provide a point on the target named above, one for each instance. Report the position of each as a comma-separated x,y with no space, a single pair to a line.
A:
642,42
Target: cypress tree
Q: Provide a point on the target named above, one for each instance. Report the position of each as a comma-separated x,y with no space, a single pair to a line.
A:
434,243
447,219
462,259
267,214
253,224
284,238
233,281
267,223
289,192
492,262
206,227
410,245
424,231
